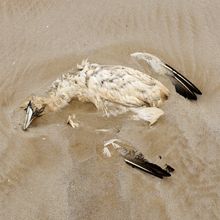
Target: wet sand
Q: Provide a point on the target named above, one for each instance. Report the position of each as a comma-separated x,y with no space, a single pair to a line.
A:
55,172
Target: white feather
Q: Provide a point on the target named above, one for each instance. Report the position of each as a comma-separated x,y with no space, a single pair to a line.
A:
106,152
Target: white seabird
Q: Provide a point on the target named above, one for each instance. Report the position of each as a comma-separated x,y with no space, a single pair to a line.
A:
112,89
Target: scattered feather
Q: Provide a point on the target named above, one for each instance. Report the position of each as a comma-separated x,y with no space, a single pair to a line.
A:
107,152
136,159
71,121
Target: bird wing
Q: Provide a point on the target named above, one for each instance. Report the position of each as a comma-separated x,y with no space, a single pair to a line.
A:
125,86
182,85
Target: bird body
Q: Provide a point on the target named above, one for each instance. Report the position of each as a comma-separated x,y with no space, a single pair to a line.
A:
115,84
113,89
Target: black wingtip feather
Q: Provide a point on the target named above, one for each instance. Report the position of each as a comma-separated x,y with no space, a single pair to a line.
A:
183,86
183,90
147,167
135,165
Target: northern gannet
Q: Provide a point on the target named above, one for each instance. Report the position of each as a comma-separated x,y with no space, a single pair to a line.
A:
112,89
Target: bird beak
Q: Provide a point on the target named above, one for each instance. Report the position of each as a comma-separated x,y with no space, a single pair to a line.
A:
31,115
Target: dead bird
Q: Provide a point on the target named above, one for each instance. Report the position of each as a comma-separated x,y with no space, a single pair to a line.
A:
113,89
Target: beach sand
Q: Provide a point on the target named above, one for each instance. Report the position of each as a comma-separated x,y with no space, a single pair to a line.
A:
55,172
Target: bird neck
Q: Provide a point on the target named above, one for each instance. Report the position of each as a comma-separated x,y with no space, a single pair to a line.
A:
66,89
55,102
69,86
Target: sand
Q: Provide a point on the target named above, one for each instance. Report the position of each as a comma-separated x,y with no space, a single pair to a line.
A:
55,172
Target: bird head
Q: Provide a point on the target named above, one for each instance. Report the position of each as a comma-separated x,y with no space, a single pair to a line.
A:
34,107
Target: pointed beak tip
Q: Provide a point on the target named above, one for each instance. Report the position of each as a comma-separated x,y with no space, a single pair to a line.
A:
24,128
26,125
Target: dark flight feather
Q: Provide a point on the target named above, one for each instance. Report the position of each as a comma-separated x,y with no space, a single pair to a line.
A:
141,163
182,85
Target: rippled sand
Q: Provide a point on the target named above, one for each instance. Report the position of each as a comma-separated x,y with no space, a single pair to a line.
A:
55,172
